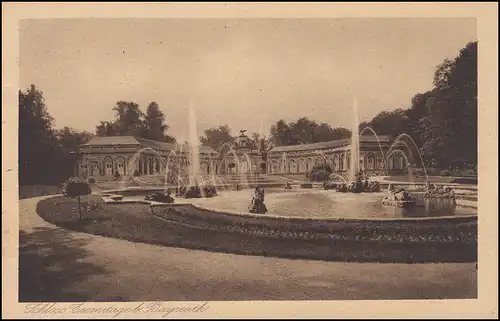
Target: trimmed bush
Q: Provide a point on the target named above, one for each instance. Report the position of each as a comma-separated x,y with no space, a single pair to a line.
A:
116,175
319,173
136,173
319,176
76,187
91,180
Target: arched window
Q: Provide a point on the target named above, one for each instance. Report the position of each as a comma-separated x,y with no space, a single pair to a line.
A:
302,165
275,166
380,163
370,161
120,165
108,166
293,166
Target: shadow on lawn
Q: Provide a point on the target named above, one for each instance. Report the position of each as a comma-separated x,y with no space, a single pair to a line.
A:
49,263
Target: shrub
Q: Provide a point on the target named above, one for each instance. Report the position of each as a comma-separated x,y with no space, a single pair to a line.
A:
91,180
445,172
76,187
231,165
136,173
263,166
322,167
319,176
116,175
319,173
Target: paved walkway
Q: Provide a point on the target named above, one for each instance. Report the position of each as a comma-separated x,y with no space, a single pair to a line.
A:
61,265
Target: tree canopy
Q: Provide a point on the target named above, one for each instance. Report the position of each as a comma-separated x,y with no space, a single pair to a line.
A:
131,121
46,155
305,131
215,137
449,128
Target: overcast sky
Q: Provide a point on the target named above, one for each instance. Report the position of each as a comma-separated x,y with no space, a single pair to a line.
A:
243,73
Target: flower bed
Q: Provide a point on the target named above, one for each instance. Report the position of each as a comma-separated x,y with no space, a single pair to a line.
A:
440,230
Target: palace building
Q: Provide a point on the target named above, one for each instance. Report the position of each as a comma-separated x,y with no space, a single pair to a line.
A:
336,154
105,157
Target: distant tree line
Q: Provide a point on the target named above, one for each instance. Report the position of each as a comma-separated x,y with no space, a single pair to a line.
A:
442,121
47,155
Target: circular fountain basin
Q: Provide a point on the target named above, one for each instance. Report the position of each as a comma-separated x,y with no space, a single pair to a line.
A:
330,204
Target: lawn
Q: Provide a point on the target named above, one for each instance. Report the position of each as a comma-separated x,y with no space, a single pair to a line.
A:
136,222
27,191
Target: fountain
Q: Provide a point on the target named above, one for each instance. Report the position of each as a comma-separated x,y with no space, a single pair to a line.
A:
195,186
432,191
379,146
355,183
399,139
160,197
354,168
398,197
257,204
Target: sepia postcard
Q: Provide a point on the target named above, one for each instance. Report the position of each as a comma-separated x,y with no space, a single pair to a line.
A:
249,160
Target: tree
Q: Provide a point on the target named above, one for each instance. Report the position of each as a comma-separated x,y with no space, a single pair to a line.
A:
76,187
450,126
69,141
416,113
38,145
305,131
106,128
215,137
392,123
130,120
281,134
154,126
324,133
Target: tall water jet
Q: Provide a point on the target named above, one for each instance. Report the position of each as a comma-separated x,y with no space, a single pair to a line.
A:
194,147
354,165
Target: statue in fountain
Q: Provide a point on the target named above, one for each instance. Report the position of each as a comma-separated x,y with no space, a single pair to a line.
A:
164,197
361,184
209,190
193,192
257,204
433,191
358,185
398,197
342,188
